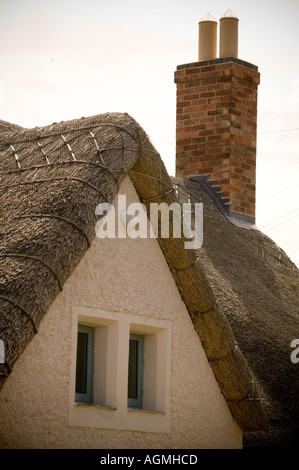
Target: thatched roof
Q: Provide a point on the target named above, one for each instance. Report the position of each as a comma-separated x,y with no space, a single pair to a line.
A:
241,303
8,127
257,286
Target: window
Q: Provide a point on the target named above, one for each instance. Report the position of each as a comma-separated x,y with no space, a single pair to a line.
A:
135,371
120,370
84,364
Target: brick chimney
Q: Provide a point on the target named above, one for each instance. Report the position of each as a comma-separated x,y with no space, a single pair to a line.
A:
216,118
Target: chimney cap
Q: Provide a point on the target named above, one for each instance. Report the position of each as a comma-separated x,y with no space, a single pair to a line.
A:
208,17
229,14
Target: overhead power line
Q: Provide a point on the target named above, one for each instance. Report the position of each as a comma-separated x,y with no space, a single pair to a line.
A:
278,192
259,133
279,218
281,223
279,130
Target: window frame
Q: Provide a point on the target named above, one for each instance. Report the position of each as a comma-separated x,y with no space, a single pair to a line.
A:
88,396
109,407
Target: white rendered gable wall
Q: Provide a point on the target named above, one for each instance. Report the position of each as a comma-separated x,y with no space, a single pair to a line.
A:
129,277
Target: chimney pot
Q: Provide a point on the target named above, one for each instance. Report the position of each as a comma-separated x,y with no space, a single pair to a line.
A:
207,38
228,37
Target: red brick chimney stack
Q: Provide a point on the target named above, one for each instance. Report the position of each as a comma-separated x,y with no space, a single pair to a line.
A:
216,118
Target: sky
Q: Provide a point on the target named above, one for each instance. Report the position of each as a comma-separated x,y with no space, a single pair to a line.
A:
64,59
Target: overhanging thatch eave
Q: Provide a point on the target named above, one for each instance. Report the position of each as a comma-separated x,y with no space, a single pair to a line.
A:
70,167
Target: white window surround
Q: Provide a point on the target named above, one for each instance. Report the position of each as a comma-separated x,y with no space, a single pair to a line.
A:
110,386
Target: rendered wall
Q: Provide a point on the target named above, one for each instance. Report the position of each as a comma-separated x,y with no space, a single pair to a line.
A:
129,276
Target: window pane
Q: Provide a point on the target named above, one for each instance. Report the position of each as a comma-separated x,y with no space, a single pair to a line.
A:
135,372
81,371
133,369
84,370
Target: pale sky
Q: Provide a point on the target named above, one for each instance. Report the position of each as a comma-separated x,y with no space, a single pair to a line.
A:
64,59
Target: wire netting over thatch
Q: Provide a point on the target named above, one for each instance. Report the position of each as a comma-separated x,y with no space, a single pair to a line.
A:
52,178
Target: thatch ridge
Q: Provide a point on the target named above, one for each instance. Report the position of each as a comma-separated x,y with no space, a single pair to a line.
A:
8,127
52,180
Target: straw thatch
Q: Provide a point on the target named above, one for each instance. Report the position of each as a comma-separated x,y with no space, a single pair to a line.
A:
52,178
9,127
257,286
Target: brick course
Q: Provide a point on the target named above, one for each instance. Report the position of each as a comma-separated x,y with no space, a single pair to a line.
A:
216,127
